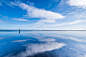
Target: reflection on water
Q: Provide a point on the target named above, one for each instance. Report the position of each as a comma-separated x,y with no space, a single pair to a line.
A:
19,30
43,44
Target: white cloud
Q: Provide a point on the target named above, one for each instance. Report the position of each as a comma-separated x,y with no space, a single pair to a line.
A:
2,21
49,5
77,21
19,19
12,3
39,48
7,3
79,3
85,55
32,4
40,13
46,16
47,21
66,23
57,25
33,12
50,17
74,22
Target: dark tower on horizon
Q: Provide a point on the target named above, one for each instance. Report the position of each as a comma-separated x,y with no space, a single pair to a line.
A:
19,30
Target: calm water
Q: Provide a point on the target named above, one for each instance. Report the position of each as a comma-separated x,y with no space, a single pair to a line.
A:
43,44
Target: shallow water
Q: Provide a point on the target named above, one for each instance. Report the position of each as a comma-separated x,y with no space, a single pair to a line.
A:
43,44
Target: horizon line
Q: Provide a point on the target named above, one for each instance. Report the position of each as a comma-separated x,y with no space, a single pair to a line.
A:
37,30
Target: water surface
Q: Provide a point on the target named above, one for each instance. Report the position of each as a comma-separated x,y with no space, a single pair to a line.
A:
43,44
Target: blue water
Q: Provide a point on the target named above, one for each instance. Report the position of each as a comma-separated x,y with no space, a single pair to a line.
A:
43,44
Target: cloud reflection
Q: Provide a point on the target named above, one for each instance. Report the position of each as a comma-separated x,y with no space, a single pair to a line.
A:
39,48
20,40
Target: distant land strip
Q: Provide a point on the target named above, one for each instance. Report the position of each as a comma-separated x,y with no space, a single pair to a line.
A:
43,30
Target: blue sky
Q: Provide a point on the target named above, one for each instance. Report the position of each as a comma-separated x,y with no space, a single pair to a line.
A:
42,14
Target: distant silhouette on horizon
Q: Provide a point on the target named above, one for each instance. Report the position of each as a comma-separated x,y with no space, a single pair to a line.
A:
19,30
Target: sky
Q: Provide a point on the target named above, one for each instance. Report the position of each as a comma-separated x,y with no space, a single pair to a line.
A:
43,14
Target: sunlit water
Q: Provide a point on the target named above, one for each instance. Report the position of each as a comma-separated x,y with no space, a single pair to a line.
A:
43,44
